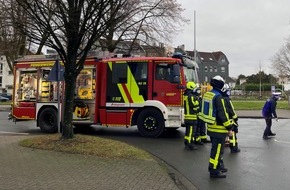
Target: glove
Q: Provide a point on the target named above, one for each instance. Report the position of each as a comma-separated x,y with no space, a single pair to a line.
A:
230,133
277,119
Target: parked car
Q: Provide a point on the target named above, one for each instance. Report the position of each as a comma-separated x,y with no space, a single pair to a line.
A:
3,99
6,95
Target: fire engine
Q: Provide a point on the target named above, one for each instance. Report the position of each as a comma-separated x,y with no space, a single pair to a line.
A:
125,91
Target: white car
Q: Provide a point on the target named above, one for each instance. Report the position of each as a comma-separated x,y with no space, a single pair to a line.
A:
3,99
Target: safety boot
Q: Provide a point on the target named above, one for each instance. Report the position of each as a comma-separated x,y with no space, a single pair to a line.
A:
237,150
272,134
219,175
266,137
190,147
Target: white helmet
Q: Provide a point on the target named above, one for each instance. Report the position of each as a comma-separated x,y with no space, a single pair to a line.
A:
217,82
226,87
218,78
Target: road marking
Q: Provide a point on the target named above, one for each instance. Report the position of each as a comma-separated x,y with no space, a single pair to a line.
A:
282,141
13,133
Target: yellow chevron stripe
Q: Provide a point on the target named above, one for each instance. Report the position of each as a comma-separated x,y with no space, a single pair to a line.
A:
123,93
136,97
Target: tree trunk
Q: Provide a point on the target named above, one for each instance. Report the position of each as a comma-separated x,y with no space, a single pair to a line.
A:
67,126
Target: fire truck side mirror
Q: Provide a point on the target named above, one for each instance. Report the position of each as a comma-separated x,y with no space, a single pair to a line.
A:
176,73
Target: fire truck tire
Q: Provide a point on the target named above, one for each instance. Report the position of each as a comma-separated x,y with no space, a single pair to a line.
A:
48,120
150,123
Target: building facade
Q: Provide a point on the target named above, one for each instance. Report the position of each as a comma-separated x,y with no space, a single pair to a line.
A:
6,77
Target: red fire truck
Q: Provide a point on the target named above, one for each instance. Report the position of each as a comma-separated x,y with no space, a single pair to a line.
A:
142,91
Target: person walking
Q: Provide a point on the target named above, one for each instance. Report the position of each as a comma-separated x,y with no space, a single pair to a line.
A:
215,114
191,106
269,112
233,140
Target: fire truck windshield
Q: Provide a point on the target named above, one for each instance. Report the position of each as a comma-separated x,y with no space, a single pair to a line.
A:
190,69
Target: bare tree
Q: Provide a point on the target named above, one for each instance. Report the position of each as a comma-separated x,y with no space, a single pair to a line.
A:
71,27
12,40
281,60
145,21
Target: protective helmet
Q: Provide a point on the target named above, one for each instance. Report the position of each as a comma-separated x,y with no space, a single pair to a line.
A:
276,95
217,82
226,87
191,85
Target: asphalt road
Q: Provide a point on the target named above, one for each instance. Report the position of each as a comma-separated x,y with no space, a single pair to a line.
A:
261,164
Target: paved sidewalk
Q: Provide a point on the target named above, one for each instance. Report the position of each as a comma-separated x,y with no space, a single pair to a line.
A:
25,168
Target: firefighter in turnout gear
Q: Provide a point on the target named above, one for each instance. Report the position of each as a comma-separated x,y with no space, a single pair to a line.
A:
200,136
191,107
215,114
232,115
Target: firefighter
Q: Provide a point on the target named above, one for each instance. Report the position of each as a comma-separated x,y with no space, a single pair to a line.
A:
215,114
233,140
269,112
191,106
200,136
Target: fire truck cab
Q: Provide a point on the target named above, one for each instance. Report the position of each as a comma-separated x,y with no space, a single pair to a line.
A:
142,91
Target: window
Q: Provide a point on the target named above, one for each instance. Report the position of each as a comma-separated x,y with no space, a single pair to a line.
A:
119,73
0,81
139,70
206,79
210,69
164,71
223,69
205,69
215,69
1,68
223,60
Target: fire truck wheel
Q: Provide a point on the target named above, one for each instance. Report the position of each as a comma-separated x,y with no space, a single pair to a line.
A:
150,123
48,120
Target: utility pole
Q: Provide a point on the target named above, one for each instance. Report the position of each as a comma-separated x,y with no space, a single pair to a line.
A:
260,78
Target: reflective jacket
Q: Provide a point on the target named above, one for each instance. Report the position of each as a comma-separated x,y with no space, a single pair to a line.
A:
215,113
190,105
231,111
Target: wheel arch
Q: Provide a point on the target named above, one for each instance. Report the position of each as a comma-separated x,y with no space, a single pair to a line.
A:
41,109
138,111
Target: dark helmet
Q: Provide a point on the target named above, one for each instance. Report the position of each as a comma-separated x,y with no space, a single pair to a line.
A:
217,82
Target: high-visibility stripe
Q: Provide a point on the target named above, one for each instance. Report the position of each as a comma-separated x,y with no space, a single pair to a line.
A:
233,140
133,86
126,93
214,161
189,134
217,128
130,90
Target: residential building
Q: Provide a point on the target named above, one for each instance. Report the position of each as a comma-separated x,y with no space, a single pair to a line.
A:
210,64
125,47
6,76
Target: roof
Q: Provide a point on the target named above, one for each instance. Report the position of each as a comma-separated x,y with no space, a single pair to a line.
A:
207,57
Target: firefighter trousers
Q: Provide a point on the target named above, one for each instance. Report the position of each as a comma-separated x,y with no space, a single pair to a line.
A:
216,155
189,133
201,131
233,142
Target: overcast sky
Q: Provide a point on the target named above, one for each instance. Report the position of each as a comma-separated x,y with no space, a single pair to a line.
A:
248,32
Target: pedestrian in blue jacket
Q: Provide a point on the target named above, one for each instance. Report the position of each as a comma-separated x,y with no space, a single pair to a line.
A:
269,112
